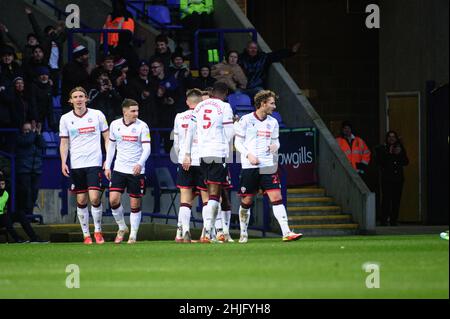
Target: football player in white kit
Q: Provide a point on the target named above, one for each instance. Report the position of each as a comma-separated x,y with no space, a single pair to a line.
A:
131,137
191,181
212,119
257,140
80,131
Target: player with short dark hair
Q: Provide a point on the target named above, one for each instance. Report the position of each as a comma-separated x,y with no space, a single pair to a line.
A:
80,131
212,120
257,141
131,137
189,181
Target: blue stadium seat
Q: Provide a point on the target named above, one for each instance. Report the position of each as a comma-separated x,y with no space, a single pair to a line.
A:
136,9
52,140
159,17
160,14
173,3
240,102
277,116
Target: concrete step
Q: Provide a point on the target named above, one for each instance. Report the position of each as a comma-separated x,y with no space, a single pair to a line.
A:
327,229
309,201
305,192
314,210
319,220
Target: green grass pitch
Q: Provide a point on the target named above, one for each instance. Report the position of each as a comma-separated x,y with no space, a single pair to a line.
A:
326,267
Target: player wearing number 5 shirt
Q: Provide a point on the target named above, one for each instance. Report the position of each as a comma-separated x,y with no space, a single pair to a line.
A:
131,137
212,120
257,141
80,131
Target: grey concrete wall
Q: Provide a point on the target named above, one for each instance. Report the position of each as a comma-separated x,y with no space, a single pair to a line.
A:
335,172
413,49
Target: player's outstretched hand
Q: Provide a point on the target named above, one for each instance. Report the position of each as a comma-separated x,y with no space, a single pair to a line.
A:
108,174
137,170
65,170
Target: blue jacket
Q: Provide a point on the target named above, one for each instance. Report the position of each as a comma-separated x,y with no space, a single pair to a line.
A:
29,153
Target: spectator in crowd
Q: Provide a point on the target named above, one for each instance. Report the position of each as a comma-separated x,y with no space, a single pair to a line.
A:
120,77
41,99
119,19
167,98
140,89
162,51
230,73
9,69
105,98
30,146
354,148
204,80
36,61
180,70
22,109
106,67
74,74
256,65
391,158
5,110
5,220
52,39
126,50
32,41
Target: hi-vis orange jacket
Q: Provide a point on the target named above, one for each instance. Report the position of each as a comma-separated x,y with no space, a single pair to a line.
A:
358,153
119,23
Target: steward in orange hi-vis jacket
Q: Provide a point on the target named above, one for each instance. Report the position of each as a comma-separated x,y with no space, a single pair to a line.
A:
354,148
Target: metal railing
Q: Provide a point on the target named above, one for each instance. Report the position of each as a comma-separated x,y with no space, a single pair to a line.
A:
221,35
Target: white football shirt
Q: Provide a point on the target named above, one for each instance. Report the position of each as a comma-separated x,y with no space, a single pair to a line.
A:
258,135
214,126
129,140
84,134
180,129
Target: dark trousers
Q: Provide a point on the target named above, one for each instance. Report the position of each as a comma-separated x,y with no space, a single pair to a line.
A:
27,190
391,193
5,221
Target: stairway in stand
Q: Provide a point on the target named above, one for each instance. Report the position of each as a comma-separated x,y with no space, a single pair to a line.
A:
312,213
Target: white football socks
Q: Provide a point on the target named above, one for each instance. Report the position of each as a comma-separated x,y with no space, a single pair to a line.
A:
118,216
226,218
185,216
280,214
244,218
97,213
83,217
135,220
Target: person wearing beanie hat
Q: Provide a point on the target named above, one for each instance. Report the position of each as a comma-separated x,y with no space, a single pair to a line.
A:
79,52
38,59
75,73
42,70
9,69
